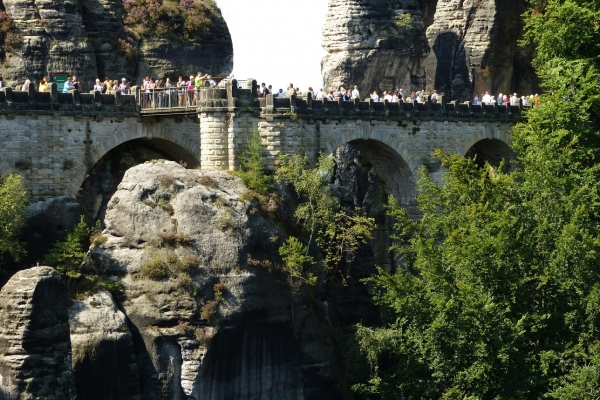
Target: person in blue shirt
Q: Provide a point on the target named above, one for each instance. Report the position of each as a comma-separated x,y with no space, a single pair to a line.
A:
68,86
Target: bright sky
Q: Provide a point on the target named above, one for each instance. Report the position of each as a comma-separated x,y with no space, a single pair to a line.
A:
277,41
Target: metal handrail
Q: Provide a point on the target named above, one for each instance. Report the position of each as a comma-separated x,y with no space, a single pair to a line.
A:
167,98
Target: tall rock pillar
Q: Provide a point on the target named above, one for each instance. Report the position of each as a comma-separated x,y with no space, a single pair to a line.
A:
35,347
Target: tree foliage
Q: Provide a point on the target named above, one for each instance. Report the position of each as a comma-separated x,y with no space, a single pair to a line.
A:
337,232
498,295
190,19
66,256
296,262
13,199
253,168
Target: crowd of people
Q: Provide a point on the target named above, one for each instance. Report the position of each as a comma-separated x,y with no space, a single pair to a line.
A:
184,92
350,94
487,98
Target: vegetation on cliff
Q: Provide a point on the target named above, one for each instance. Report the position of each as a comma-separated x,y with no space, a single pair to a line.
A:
498,295
13,199
8,35
187,19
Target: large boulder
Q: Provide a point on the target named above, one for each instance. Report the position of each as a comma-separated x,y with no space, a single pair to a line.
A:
35,348
207,304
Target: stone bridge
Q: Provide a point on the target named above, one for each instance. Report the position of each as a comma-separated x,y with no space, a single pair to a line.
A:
55,139
395,138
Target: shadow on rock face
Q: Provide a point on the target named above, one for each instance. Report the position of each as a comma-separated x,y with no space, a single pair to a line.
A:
46,222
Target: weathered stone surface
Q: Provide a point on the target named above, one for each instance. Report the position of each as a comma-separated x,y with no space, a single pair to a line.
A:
80,37
35,350
457,47
246,347
367,49
474,49
103,350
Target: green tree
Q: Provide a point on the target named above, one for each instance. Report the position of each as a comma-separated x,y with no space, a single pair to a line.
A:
253,171
498,295
337,232
13,199
66,256
295,260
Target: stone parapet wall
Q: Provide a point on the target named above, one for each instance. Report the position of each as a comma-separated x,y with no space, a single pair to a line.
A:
73,103
307,107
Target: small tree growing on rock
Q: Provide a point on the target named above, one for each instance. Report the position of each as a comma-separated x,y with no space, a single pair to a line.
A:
13,199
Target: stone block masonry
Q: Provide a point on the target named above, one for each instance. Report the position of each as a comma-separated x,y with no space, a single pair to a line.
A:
54,153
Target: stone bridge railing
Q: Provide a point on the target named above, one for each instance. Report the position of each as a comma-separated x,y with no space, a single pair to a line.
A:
213,99
73,103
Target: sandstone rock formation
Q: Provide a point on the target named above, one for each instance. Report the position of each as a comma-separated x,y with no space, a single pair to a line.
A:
458,47
209,315
35,350
81,37
103,350
367,48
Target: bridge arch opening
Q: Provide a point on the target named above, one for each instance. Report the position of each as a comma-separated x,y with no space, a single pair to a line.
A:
493,151
103,178
383,164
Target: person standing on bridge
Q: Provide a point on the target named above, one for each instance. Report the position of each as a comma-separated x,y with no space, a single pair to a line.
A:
191,91
43,87
68,86
124,86
355,93
290,90
181,88
97,87
76,83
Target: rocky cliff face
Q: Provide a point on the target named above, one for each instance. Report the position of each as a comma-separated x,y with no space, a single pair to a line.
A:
458,47
81,37
35,349
366,47
203,314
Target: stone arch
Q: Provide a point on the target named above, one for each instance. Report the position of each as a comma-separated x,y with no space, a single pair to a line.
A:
495,133
493,151
175,144
389,158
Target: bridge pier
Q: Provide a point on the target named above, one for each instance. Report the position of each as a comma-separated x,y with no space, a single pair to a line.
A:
214,140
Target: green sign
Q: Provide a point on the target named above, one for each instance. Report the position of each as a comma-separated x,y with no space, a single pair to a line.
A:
60,80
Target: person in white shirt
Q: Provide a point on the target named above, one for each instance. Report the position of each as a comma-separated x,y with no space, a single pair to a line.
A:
387,96
486,98
355,93
320,94
281,94
98,86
